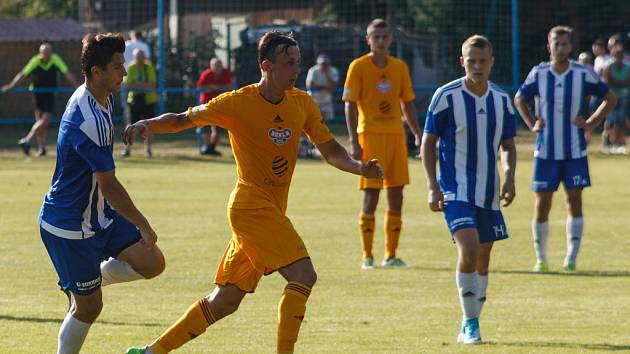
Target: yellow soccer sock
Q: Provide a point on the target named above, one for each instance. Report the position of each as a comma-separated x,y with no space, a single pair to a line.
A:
366,227
393,224
290,315
194,322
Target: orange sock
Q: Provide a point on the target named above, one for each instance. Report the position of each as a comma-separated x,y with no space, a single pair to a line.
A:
366,227
393,224
194,322
290,315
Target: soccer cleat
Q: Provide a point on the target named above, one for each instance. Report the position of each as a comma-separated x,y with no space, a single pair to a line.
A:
136,350
470,332
26,147
367,263
569,266
394,262
541,267
41,152
125,152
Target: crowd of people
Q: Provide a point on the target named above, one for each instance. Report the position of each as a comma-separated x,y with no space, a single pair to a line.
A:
470,124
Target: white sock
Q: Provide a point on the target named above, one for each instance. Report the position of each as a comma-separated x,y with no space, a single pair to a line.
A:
72,335
482,284
540,231
467,286
575,228
114,271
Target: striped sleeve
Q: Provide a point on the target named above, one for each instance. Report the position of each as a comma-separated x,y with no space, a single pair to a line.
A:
529,88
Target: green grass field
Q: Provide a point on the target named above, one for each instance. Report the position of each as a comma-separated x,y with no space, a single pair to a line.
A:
382,311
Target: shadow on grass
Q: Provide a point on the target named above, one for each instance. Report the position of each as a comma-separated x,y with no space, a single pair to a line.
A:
170,159
585,273
60,320
577,346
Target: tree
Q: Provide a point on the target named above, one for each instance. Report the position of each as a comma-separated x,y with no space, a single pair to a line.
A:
39,9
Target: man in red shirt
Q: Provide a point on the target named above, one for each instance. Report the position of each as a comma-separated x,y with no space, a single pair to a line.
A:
214,81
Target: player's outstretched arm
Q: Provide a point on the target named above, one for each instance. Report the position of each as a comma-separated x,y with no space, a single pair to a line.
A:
428,154
166,123
337,156
118,198
18,77
508,160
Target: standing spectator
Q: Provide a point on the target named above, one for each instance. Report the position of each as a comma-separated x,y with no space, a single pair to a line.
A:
42,69
321,83
601,59
214,81
135,42
617,75
585,58
140,79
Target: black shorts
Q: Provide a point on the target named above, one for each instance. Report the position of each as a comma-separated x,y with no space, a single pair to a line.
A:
141,111
44,102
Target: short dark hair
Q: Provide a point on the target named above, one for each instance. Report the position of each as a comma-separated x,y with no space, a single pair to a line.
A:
560,30
477,41
99,49
376,23
600,42
272,40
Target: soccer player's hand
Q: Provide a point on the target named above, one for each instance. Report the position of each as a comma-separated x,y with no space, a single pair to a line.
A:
372,169
149,237
6,88
581,123
130,133
436,199
356,151
508,192
538,125
417,142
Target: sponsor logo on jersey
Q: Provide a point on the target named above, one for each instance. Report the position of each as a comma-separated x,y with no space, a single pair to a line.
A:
384,107
279,136
279,166
384,85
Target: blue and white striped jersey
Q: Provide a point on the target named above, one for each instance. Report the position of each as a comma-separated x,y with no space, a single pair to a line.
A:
470,129
559,99
74,206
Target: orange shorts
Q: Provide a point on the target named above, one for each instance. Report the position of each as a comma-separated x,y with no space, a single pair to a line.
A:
391,152
263,241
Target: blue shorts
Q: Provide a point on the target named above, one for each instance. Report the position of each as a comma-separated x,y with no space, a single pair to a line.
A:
489,223
77,262
548,174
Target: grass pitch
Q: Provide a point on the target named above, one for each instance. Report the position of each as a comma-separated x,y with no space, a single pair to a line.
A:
350,310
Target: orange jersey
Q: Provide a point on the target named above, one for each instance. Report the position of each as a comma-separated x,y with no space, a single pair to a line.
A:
378,93
264,139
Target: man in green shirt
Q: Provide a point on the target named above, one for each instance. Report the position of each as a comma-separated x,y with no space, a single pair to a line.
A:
141,80
42,69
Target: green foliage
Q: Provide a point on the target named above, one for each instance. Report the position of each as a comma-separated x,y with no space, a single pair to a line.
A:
39,9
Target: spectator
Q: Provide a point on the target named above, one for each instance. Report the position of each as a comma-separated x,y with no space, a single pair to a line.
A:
617,76
135,42
141,78
321,83
42,69
214,81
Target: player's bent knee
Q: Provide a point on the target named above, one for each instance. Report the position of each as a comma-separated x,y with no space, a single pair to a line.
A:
154,267
87,312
